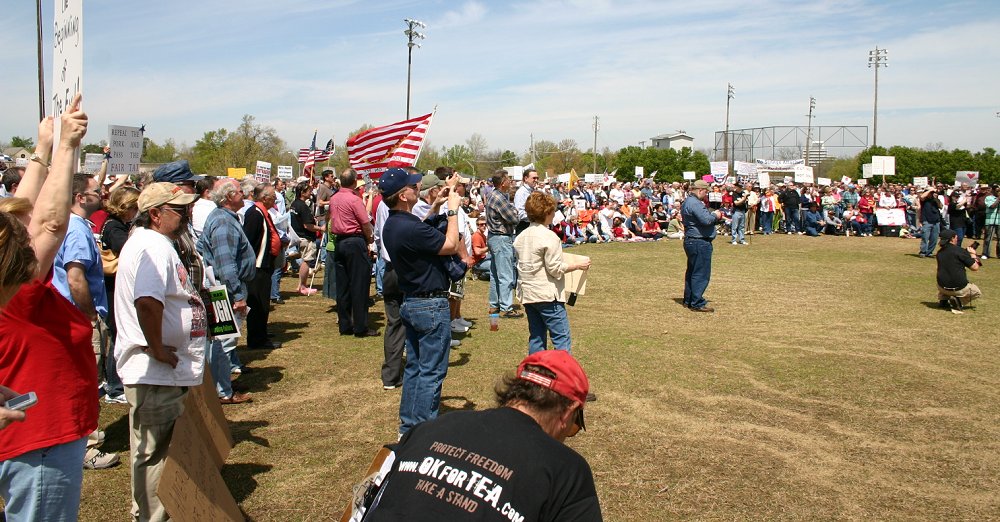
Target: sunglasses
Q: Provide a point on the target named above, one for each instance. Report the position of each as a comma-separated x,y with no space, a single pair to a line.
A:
176,210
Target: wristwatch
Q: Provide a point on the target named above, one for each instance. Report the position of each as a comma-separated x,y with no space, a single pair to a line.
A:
452,213
38,159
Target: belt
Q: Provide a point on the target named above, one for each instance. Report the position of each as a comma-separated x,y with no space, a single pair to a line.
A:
499,234
698,238
429,295
346,236
951,289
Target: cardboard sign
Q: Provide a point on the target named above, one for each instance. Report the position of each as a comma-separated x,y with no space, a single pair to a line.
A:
689,174
966,176
804,174
191,487
67,58
126,150
920,182
593,178
222,322
574,282
516,173
824,181
204,401
236,173
862,182
866,170
285,172
263,172
638,172
891,217
883,165
763,179
845,180
92,162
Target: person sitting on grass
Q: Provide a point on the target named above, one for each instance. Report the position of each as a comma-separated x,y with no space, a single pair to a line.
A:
620,232
651,229
813,220
675,229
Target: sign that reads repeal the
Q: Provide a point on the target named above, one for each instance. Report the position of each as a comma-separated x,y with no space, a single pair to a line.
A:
126,150
67,57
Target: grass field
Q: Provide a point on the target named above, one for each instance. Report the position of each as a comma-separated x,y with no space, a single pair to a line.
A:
827,385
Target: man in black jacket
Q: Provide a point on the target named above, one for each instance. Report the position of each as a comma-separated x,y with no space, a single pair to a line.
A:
790,200
263,237
954,289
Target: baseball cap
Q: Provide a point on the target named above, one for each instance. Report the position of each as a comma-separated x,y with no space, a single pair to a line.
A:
947,234
394,180
701,184
157,194
430,181
570,381
175,172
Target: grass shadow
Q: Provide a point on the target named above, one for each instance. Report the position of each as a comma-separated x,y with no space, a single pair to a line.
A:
466,403
934,305
116,435
285,331
260,379
463,359
240,478
243,432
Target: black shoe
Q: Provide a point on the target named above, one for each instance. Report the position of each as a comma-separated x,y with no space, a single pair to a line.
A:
944,304
591,397
278,300
704,309
269,345
369,333
956,303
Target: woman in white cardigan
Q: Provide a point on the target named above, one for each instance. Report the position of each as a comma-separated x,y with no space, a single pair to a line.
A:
540,270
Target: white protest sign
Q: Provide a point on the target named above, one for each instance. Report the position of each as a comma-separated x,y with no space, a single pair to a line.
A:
263,172
804,174
720,169
920,182
862,182
715,197
689,174
845,180
883,165
67,57
824,181
284,172
593,178
580,204
126,150
563,178
638,172
515,172
21,162
966,176
866,170
92,162
731,180
787,179
763,179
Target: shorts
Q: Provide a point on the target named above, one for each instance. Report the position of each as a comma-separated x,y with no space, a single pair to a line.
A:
307,250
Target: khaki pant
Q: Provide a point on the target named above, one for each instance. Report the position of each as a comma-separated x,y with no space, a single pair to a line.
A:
966,294
152,412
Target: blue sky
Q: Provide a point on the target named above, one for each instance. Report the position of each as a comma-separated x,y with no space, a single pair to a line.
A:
509,69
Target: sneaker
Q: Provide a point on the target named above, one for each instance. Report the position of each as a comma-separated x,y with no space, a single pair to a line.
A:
236,398
944,304
391,386
455,343
512,314
463,322
956,303
307,291
743,242
97,459
115,399
984,257
458,328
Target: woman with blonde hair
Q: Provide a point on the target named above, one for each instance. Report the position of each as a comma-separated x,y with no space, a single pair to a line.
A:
44,340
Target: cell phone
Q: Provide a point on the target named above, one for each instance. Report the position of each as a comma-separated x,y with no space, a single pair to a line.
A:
572,299
22,402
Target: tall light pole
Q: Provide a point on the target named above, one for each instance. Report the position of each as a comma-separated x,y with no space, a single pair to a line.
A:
877,58
597,125
730,94
809,127
411,36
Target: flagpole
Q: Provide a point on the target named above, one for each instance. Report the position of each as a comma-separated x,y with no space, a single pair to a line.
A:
41,75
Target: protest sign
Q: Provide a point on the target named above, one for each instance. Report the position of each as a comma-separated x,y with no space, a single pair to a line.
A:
920,182
21,162
966,176
638,172
731,180
787,179
862,182
883,165
263,172
574,282
221,319
719,169
593,178
715,197
213,425
235,173
866,170
689,174
708,178
126,150
92,162
890,217
824,181
763,179
284,172
67,58
580,204
515,172
564,178
804,174
845,180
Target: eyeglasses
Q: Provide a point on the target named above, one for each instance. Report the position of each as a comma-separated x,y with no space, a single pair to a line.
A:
180,211
480,224
89,193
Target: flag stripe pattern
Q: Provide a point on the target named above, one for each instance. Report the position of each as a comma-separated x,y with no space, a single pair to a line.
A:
311,156
397,145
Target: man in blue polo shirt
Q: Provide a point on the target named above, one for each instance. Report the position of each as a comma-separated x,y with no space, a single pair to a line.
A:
418,251
699,231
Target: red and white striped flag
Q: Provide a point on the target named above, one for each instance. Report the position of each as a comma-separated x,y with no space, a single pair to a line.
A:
398,145
311,156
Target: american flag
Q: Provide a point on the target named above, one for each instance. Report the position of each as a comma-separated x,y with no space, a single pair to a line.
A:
397,145
311,156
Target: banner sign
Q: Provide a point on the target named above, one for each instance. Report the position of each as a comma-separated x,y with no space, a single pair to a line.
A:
221,320
263,172
719,169
235,173
689,174
126,150
779,164
593,178
67,58
804,174
883,166
284,172
920,182
966,176
866,170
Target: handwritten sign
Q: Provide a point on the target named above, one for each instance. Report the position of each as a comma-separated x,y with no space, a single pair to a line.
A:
593,178
920,182
883,165
966,176
846,180
804,174
574,282
92,162
67,57
210,420
284,172
689,174
126,150
866,171
515,173
263,172
862,182
638,172
824,181
764,179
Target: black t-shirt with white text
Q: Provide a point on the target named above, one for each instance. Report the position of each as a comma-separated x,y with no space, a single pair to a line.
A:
488,465
302,215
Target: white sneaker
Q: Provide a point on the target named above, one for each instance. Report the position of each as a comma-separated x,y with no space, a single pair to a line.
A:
97,459
455,343
984,257
458,328
463,322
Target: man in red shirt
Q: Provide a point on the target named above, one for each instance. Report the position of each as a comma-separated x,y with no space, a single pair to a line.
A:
350,223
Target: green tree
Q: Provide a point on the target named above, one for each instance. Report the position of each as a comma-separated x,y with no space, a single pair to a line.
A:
18,141
153,153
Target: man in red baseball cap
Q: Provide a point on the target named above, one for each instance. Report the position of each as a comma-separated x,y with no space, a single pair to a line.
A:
506,463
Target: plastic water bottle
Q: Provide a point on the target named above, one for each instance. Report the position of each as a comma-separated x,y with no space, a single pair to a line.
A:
494,322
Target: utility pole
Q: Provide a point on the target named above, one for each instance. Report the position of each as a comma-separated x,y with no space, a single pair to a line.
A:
812,105
41,75
532,148
877,58
730,94
411,36
597,125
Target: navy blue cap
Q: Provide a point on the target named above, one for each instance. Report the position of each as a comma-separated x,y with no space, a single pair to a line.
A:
394,180
175,172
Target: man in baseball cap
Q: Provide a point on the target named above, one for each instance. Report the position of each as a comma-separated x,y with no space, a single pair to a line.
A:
176,172
509,462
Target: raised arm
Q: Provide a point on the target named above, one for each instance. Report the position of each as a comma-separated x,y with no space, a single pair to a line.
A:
37,170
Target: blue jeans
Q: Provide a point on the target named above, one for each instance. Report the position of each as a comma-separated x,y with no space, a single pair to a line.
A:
379,271
960,232
929,238
484,265
547,318
739,225
221,366
330,277
44,484
279,269
791,219
502,275
699,271
767,222
428,344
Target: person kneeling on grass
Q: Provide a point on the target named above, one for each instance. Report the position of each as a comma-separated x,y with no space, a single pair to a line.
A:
540,270
954,289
